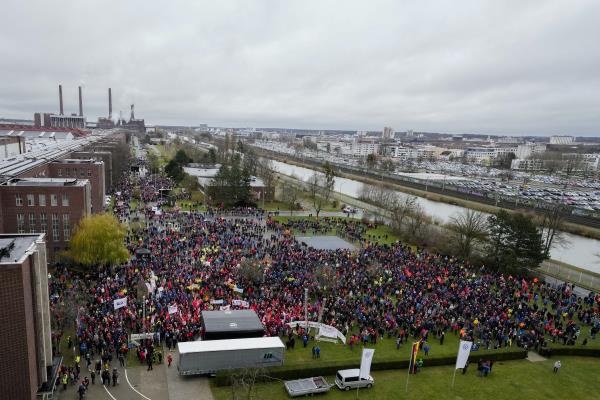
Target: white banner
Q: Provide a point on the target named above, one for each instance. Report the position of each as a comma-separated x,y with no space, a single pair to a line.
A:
317,325
365,363
328,331
463,353
237,289
173,309
118,303
225,308
241,303
218,301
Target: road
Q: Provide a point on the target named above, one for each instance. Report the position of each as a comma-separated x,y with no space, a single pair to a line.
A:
137,383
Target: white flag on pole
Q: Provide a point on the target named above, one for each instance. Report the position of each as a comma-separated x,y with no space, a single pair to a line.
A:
118,303
173,309
463,353
365,363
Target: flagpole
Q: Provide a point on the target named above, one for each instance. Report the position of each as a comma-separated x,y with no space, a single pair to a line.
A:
408,375
409,368
453,378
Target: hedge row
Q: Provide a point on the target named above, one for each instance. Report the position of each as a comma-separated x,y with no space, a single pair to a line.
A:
570,351
330,368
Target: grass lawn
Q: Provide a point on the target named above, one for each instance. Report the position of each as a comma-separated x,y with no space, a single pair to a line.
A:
65,350
197,195
187,205
385,350
274,206
380,233
509,380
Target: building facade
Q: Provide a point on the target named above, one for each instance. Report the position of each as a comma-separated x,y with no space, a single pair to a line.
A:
88,169
52,206
25,336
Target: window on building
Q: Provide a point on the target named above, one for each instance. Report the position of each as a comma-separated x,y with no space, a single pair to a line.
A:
66,227
53,200
55,228
32,228
89,172
65,200
18,199
82,173
31,200
60,172
67,172
43,223
42,200
21,223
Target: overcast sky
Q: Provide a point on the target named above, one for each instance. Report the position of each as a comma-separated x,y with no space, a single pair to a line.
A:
514,67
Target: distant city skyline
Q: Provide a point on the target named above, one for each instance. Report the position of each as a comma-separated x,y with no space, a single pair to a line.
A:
482,67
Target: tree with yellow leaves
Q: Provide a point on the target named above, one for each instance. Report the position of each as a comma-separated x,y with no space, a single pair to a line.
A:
99,240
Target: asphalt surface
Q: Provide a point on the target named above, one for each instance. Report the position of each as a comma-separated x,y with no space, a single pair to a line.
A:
137,383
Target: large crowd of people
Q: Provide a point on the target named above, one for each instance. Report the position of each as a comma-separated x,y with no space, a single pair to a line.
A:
184,262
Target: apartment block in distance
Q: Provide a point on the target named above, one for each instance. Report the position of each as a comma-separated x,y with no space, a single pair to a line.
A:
52,206
27,368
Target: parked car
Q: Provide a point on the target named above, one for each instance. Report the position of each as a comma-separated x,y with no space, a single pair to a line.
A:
347,379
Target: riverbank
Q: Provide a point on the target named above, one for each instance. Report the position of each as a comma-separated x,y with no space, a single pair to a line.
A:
555,268
569,227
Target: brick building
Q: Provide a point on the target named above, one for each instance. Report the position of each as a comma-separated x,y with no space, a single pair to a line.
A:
83,169
27,365
48,205
105,157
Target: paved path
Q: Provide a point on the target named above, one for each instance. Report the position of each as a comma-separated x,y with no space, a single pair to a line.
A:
535,357
186,387
134,384
588,279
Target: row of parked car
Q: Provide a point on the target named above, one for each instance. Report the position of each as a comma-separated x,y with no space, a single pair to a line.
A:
587,200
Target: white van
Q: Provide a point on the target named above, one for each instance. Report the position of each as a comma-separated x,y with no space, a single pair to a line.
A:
347,379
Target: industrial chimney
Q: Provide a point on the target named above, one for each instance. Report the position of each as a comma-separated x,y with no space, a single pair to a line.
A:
109,104
60,99
132,113
80,103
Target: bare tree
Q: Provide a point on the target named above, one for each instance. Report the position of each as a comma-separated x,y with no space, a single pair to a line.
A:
468,228
401,208
551,223
243,383
267,173
325,276
250,271
317,192
417,221
290,196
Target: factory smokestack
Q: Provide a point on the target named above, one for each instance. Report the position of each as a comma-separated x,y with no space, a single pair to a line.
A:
80,103
60,101
109,104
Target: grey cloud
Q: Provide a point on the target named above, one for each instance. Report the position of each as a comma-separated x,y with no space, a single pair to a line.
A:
472,66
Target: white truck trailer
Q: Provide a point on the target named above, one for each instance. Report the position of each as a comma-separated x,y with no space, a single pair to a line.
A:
209,356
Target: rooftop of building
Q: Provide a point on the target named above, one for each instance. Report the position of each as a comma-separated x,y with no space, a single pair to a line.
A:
28,128
13,166
77,161
46,182
14,246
